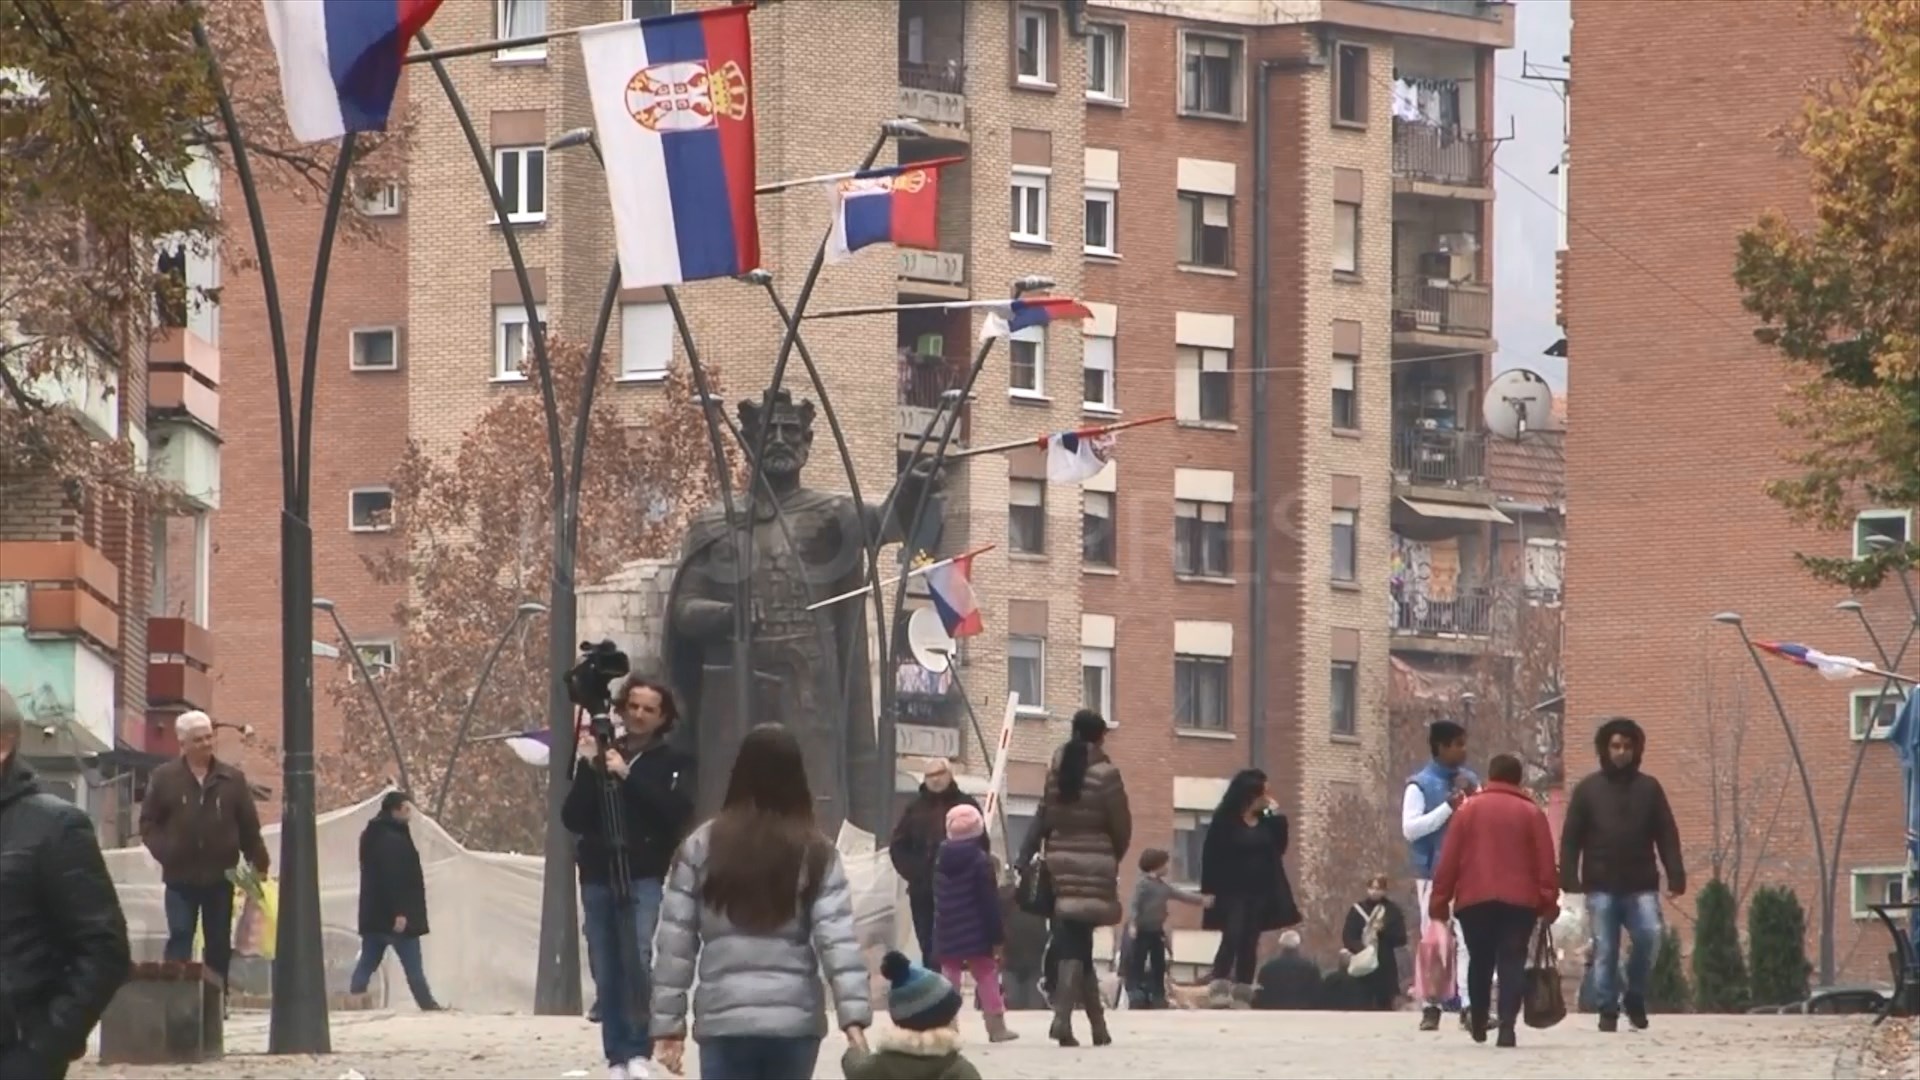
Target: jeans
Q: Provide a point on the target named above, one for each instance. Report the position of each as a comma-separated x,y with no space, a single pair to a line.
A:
1498,936
623,1026
1238,957
922,909
1639,914
758,1057
1147,966
373,949
17,1062
208,908
986,980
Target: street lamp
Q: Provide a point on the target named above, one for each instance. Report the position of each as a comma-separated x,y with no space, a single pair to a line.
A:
1031,283
1730,618
321,603
526,610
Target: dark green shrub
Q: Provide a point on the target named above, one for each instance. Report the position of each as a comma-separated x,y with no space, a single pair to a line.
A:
1777,947
1667,990
1719,971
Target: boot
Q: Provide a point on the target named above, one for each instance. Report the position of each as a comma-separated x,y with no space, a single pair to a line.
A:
1066,995
1636,1011
1095,1004
1476,1017
1430,1018
1241,996
1505,1037
997,1028
1609,1020
1219,994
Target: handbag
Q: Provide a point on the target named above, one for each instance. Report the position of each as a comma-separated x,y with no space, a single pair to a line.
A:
1033,888
1367,960
1545,1003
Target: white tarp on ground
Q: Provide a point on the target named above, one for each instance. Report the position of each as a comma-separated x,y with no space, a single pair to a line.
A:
483,909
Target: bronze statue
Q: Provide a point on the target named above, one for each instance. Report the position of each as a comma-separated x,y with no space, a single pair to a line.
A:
806,551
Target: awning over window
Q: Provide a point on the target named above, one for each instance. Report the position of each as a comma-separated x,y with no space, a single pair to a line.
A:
1456,511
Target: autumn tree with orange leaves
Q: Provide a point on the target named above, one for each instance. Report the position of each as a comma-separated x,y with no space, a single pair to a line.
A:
474,536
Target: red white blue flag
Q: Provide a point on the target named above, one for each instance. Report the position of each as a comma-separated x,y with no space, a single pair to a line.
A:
1833,667
1073,457
951,585
897,204
1004,320
340,60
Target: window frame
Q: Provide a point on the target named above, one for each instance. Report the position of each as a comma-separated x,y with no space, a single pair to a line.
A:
353,515
1854,876
1036,336
377,666
1192,823
1858,700
1339,210
1237,92
1347,672
629,7
1352,544
1191,238
515,314
1112,538
1362,91
1031,178
1045,76
521,215
1197,355
629,372
1103,662
1114,44
1110,406
1905,517
359,333
1039,661
383,203
1351,365
525,53
1108,197
1039,512
1199,544
1195,661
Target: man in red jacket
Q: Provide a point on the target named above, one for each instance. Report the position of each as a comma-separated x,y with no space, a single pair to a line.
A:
1497,875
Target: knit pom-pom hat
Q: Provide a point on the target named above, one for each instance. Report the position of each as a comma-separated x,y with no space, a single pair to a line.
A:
965,823
918,999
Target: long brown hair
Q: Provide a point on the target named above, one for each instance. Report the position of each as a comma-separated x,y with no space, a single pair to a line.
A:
766,857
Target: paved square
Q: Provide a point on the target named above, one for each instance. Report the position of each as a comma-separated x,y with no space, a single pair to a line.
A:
1147,1044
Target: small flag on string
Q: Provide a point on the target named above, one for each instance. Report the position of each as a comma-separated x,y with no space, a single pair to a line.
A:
340,60
1004,320
1828,665
897,204
1074,457
951,585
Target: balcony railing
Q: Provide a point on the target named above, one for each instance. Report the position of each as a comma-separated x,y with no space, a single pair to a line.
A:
924,381
1472,611
1437,155
947,78
1440,457
179,655
1427,305
1472,9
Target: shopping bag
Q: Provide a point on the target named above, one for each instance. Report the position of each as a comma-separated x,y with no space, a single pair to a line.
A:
1545,1003
1367,960
1434,961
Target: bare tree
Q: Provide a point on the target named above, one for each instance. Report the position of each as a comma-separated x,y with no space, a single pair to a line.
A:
1744,803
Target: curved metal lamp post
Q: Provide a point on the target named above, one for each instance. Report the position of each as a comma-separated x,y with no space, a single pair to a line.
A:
525,611
321,603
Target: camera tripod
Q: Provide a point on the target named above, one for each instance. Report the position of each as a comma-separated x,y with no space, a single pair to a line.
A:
613,823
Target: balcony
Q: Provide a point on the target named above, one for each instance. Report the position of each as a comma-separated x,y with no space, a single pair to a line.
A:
941,275
179,655
88,389
1427,457
1468,612
933,66
1472,9
1430,160
924,381
186,456
61,589
179,395
1433,313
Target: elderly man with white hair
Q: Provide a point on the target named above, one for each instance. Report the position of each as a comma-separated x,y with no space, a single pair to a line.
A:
198,819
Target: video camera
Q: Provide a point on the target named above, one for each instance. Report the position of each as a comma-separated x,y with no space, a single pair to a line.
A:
590,685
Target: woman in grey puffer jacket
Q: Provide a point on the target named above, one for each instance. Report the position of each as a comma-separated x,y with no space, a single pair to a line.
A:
758,902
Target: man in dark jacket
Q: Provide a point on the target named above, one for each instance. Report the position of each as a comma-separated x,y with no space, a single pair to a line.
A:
63,940
393,899
1288,980
915,845
1617,821
197,820
655,783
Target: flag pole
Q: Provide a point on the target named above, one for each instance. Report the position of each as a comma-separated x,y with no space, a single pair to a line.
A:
855,174
451,52
894,309
915,572
1086,432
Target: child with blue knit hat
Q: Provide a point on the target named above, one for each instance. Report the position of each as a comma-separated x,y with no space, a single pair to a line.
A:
924,1043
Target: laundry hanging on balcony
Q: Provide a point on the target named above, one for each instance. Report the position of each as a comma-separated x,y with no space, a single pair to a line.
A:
1430,101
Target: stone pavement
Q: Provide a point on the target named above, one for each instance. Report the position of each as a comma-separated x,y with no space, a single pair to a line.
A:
1148,1044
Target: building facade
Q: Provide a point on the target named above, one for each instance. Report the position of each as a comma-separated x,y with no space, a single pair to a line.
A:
1674,433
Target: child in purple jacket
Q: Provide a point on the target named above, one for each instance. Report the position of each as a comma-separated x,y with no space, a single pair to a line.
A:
967,933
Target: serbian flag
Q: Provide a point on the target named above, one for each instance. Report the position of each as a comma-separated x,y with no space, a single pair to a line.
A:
340,60
1004,320
1833,667
897,205
951,584
673,105
1074,457
534,746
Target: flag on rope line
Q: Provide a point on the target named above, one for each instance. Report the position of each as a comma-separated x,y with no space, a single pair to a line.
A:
951,585
1833,667
1074,457
1008,318
340,60
895,204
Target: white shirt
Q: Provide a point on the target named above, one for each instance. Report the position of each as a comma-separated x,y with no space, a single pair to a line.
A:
1416,820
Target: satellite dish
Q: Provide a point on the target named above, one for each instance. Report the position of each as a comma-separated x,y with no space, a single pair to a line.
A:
1518,402
928,639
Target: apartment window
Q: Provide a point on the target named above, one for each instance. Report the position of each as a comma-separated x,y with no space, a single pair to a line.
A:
1213,371
1106,62
1029,209
378,656
520,18
1189,842
1200,538
1346,238
1343,699
1200,692
1206,230
194,605
1350,85
1103,222
1027,673
511,346
1345,544
1033,60
646,341
1895,525
374,349
383,200
1878,885
521,172
1096,374
370,509
1027,362
1097,541
1027,517
1096,680
1865,721
647,9
1213,72
1346,402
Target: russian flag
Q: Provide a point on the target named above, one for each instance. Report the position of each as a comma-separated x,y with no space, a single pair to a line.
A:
898,205
1006,319
340,60
673,104
951,585
1073,457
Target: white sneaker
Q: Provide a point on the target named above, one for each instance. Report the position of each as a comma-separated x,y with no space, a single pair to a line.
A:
637,1069
618,1072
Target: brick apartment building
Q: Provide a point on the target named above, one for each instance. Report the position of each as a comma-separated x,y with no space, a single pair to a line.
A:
1674,435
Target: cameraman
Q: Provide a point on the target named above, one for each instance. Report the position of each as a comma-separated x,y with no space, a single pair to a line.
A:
656,788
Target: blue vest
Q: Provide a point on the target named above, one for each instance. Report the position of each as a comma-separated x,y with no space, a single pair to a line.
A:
1435,782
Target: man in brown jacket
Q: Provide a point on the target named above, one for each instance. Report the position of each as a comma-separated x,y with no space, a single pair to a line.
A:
197,820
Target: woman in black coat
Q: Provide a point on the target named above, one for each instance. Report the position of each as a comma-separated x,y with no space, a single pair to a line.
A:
1240,868
393,899
1381,918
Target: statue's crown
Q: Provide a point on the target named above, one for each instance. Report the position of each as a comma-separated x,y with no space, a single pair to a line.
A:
777,405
